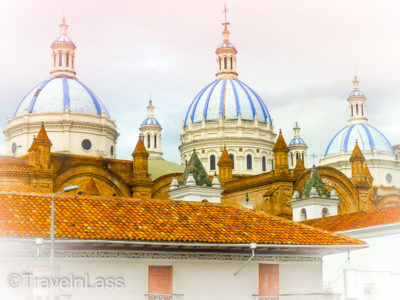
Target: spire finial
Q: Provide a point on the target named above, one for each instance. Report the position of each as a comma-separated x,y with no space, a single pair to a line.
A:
226,23
150,109
355,83
63,27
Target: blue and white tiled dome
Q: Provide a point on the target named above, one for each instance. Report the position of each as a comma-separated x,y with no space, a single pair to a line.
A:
63,38
297,141
229,98
150,121
368,137
54,94
356,93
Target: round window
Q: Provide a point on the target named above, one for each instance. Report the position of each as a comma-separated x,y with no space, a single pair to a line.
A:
86,144
389,177
14,148
112,150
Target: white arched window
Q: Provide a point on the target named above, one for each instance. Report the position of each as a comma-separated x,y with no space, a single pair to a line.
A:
303,214
60,59
249,162
225,63
232,157
264,163
148,141
155,142
212,162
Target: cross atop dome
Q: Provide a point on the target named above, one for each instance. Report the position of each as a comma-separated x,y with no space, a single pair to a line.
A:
226,23
226,52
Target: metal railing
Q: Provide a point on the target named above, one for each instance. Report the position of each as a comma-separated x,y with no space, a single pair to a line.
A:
300,296
157,296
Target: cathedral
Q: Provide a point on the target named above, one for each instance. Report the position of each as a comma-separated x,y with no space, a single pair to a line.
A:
231,221
61,134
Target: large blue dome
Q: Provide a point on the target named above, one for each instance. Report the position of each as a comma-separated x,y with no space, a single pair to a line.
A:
229,98
368,137
54,94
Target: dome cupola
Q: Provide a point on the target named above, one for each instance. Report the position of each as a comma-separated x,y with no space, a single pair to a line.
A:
228,112
373,144
226,55
63,54
298,148
77,121
357,102
150,130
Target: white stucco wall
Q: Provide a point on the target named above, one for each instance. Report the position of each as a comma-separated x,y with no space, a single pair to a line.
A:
195,279
377,268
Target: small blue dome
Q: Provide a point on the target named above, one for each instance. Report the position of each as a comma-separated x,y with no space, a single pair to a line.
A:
54,94
368,137
63,38
296,141
227,97
150,121
356,93
226,44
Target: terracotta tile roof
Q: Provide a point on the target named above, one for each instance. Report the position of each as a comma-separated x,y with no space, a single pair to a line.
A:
280,143
83,217
11,161
357,154
357,220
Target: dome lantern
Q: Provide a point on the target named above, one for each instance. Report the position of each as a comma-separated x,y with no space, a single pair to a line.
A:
63,54
226,54
151,132
357,100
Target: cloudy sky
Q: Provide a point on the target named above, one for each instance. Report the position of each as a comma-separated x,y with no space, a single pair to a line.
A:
300,56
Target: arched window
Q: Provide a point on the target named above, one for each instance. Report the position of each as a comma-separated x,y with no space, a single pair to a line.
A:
249,161
148,141
155,142
212,162
225,63
325,212
291,159
297,156
356,109
352,110
362,109
302,157
303,214
220,63
231,63
264,163
72,60
272,164
60,59
67,60
232,160
55,58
